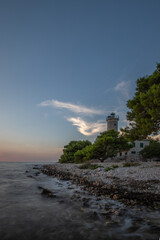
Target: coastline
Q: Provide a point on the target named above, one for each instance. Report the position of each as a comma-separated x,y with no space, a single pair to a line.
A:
134,185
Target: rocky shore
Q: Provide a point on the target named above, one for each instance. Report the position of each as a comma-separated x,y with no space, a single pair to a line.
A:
131,184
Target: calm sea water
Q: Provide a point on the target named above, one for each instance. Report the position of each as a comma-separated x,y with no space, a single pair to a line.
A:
26,214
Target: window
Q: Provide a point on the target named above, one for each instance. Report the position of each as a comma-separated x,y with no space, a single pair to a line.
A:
134,144
133,152
120,154
126,153
141,145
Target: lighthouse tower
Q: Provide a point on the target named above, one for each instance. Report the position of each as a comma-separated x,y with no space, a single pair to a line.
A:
112,122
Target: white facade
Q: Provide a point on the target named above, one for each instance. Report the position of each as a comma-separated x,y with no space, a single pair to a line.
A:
138,146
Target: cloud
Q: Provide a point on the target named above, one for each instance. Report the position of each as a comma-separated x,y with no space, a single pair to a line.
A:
124,88
120,86
71,107
87,128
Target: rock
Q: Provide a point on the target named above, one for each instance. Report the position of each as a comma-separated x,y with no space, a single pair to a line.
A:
133,202
116,213
61,201
30,176
48,193
105,213
115,197
37,173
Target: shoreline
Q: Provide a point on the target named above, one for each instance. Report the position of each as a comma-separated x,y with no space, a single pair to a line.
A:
134,185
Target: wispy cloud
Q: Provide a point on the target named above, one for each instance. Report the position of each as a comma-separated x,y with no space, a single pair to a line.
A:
87,128
124,88
71,107
120,86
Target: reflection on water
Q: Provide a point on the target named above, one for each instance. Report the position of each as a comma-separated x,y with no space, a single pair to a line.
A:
70,213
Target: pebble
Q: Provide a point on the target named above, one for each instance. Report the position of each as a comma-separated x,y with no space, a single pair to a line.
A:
122,183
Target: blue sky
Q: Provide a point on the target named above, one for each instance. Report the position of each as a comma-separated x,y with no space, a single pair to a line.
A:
65,65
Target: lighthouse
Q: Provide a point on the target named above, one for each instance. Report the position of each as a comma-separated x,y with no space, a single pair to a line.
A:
112,122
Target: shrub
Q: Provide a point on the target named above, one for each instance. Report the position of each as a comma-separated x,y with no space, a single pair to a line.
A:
111,168
90,166
127,164
153,150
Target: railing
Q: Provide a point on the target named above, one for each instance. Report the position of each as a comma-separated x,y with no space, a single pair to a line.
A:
113,117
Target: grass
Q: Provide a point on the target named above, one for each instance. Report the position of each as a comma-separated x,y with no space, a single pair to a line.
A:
127,164
112,167
90,166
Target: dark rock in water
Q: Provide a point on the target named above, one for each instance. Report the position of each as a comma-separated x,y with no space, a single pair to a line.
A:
47,192
86,202
37,173
35,167
30,176
70,187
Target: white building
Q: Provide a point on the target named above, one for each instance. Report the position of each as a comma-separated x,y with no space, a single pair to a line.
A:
134,152
138,146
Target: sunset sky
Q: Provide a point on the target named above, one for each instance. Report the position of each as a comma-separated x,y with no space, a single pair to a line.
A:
65,65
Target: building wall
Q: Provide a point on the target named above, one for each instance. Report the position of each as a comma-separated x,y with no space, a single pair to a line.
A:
112,124
138,146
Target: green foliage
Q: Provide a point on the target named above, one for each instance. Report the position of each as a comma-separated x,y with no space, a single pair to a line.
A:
144,116
153,150
70,149
90,166
107,144
127,164
83,155
111,168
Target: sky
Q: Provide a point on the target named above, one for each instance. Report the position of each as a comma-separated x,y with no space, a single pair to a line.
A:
65,65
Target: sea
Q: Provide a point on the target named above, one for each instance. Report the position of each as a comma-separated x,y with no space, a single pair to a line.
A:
71,212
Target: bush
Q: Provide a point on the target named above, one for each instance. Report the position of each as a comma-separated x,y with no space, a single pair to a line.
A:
151,151
70,149
90,166
111,168
127,164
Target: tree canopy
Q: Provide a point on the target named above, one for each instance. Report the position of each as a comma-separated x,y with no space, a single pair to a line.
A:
70,149
144,115
107,144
